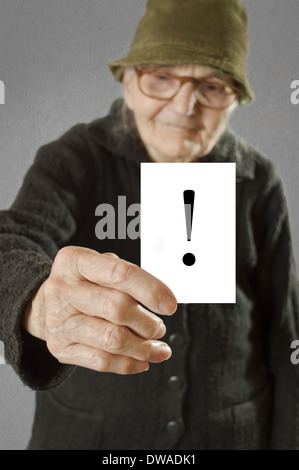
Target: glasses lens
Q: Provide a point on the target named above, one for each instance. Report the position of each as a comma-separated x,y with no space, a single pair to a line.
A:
214,95
163,86
159,85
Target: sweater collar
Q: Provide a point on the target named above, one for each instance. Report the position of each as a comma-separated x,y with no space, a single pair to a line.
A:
111,133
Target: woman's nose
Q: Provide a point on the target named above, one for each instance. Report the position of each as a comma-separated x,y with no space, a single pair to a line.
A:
184,102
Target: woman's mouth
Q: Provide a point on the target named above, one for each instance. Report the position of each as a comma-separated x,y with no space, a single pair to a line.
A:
179,127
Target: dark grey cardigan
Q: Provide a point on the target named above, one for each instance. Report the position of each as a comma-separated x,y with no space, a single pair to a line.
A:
230,383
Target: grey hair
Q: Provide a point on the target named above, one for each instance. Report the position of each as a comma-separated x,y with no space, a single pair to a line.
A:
127,121
124,130
126,124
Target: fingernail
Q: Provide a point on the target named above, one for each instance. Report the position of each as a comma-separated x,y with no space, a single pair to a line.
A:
167,304
162,330
165,348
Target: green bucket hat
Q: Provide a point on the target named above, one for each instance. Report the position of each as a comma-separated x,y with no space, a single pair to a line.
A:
192,32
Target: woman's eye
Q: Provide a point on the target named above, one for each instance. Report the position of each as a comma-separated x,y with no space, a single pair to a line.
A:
212,87
163,77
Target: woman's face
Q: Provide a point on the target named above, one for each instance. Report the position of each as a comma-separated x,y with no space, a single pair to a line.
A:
180,129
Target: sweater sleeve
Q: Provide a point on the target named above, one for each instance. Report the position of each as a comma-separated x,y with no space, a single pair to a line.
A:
44,216
277,285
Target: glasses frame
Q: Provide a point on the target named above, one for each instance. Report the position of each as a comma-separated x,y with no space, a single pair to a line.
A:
184,79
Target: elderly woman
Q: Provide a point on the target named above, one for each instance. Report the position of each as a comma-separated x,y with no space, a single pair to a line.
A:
115,361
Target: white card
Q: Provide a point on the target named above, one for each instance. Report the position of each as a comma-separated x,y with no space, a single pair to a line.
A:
164,233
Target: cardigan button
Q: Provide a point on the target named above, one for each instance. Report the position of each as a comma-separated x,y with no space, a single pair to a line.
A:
175,382
173,428
176,340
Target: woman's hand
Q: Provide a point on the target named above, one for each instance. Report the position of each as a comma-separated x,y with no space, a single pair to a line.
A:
87,311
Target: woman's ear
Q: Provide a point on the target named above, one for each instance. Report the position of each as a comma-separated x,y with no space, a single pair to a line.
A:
128,84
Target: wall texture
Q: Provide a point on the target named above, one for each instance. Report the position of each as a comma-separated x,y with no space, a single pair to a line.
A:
53,62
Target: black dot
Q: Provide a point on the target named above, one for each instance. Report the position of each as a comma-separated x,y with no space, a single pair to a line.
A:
188,259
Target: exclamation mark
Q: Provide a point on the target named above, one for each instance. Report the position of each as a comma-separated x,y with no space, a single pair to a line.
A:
189,194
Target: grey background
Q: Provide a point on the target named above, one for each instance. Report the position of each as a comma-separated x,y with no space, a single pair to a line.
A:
53,62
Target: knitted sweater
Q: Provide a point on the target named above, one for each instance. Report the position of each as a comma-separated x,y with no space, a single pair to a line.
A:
230,383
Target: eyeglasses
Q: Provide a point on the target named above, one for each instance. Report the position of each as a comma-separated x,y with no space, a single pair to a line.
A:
156,84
